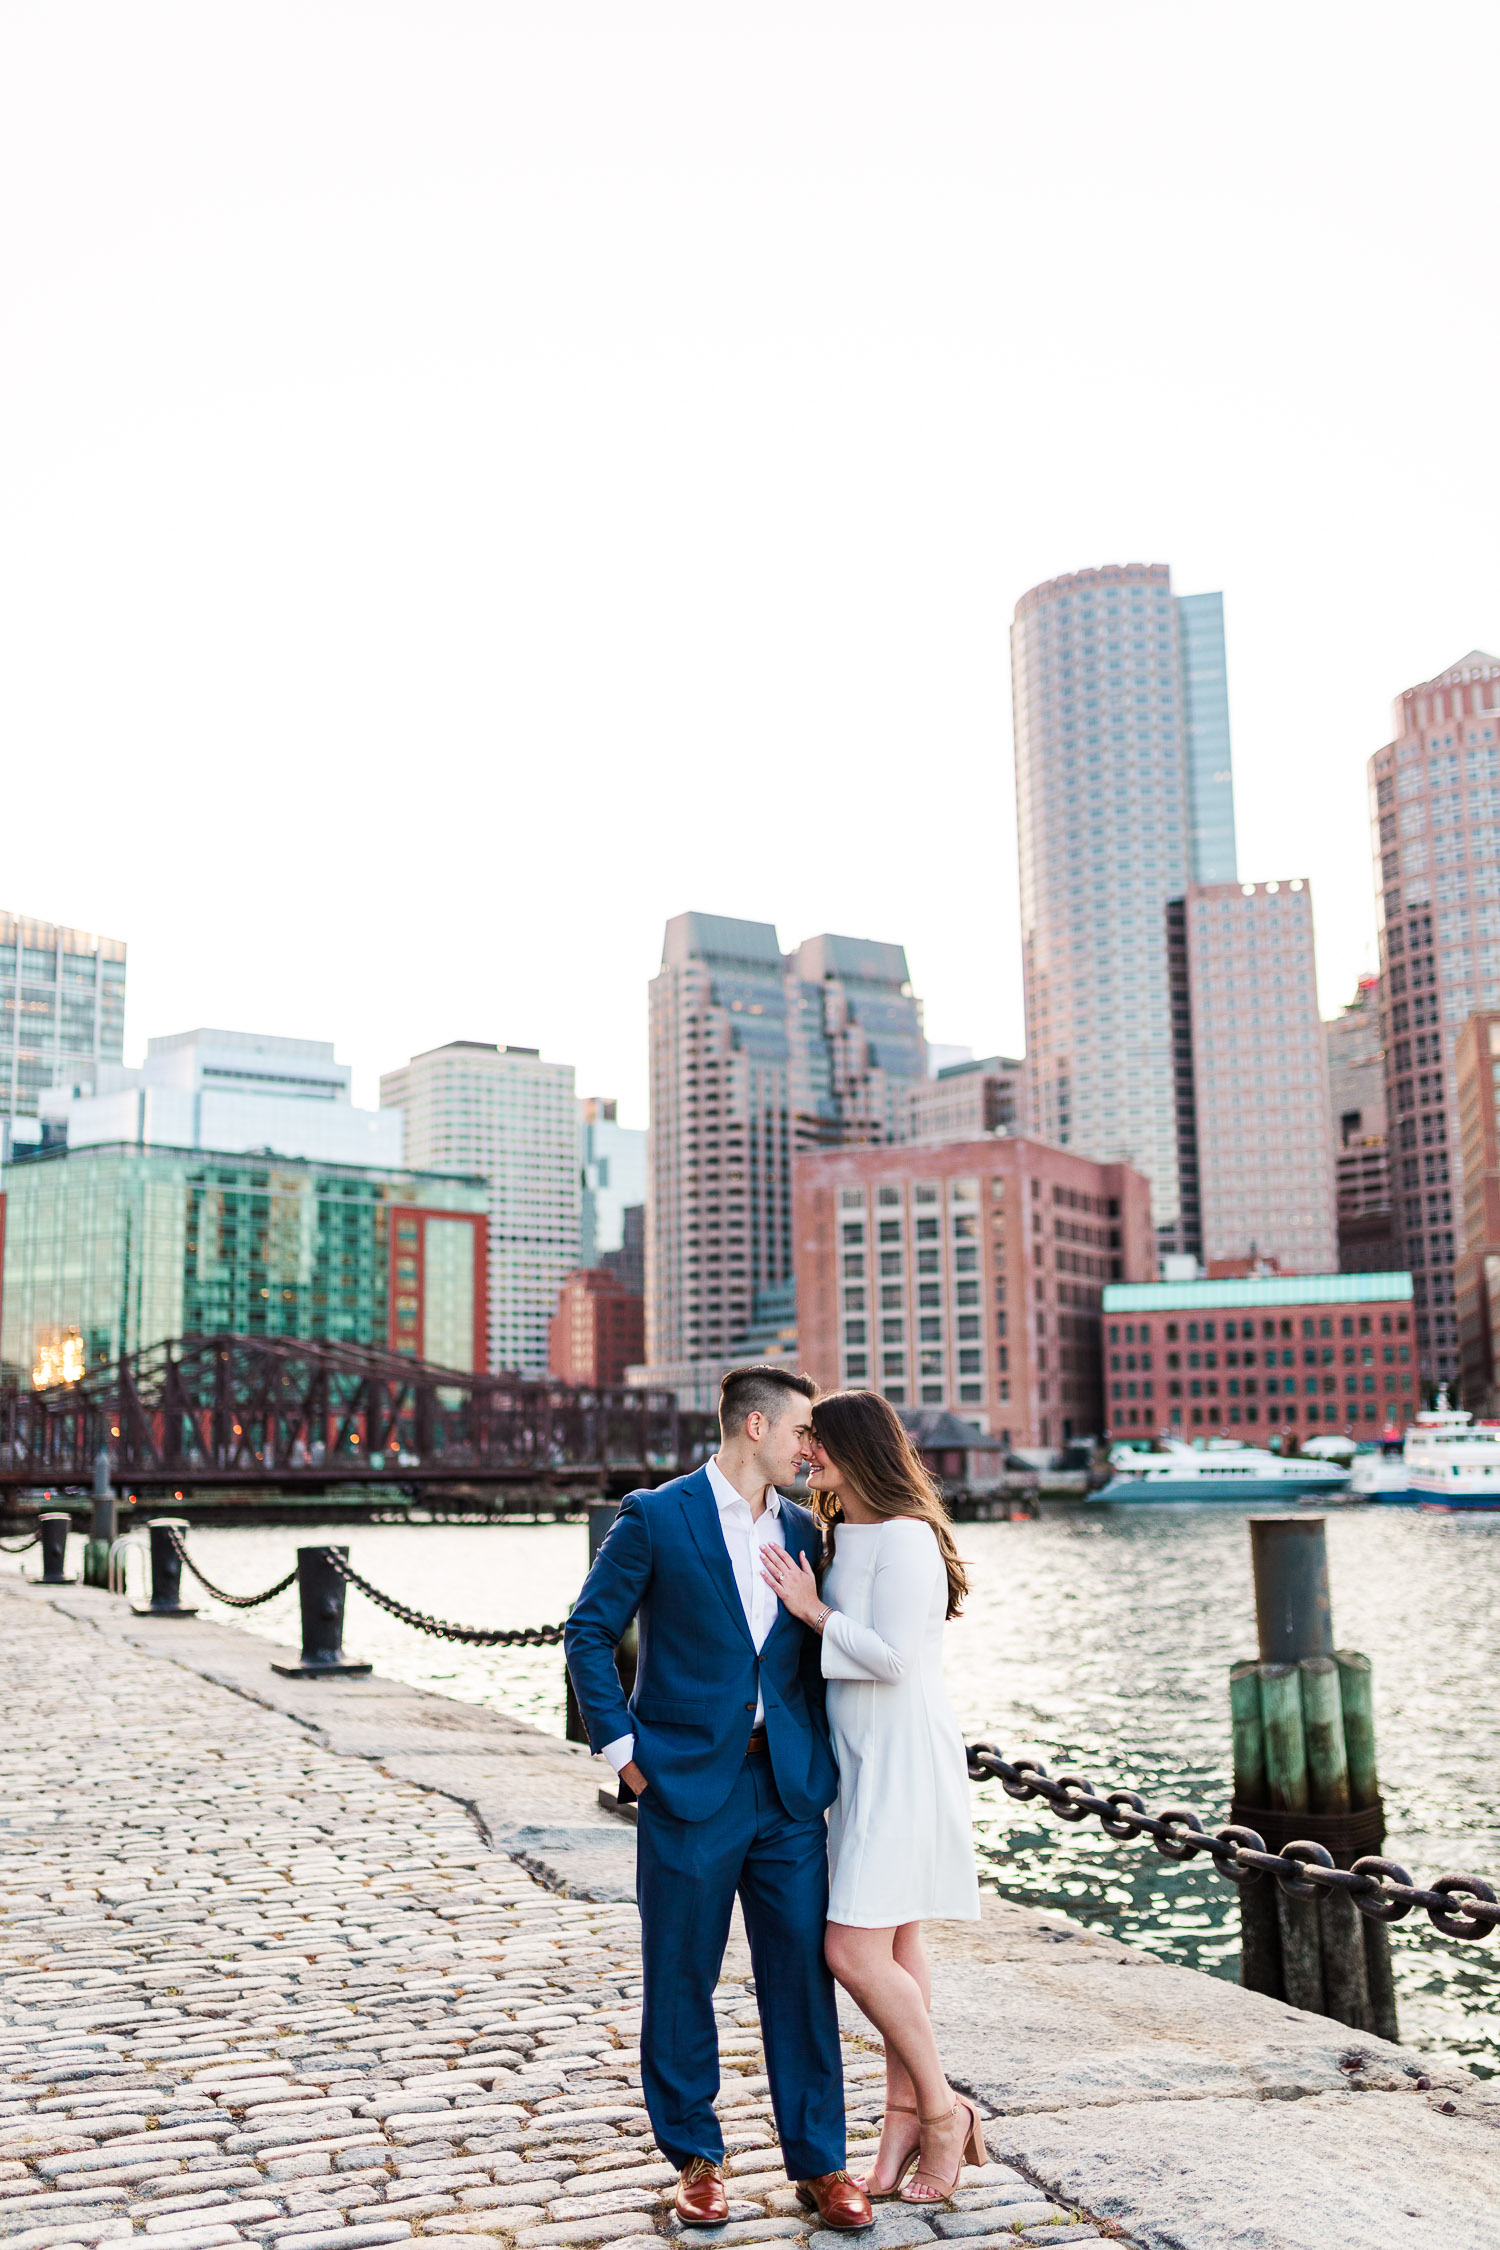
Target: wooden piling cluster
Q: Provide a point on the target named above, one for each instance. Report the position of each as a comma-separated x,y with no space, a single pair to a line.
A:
1304,1762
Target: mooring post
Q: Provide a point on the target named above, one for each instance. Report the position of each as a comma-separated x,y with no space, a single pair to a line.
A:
166,1570
54,1527
1293,1611
601,1516
1293,1619
321,1590
1356,1693
1317,1754
1287,1792
1260,1935
1346,1985
103,1531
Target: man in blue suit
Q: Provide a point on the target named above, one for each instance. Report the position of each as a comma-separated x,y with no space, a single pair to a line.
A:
724,1745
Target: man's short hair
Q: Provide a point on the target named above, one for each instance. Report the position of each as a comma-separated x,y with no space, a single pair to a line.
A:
759,1390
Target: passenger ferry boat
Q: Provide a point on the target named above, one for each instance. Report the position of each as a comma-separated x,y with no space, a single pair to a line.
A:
1449,1463
1218,1470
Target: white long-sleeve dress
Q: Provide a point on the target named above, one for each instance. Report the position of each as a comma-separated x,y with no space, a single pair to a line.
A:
900,1840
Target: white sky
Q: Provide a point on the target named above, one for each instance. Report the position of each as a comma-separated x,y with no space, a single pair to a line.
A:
476,479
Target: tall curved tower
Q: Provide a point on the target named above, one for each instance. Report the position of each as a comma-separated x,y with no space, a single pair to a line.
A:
1124,797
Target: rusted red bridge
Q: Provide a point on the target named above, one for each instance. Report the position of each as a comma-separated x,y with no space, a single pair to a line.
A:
262,1415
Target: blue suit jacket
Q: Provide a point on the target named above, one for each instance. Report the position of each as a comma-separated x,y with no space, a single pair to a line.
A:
697,1672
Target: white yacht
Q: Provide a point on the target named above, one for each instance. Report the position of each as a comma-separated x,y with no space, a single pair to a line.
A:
1448,1462
1217,1470
1381,1473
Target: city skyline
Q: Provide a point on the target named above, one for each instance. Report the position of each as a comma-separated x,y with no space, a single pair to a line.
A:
1209,830
358,481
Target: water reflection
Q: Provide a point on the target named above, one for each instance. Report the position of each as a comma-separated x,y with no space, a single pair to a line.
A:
1099,1643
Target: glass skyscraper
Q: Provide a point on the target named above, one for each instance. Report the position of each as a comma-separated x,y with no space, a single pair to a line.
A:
755,1056
1205,698
1124,797
62,1011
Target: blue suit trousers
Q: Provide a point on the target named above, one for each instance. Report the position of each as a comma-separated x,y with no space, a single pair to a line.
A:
687,1874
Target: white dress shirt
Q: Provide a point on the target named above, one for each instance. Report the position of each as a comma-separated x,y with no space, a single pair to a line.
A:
746,1536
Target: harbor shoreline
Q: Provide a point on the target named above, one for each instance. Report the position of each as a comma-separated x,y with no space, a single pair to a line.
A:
1173,2107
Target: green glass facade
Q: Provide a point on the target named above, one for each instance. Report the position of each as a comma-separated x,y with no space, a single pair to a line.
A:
128,1246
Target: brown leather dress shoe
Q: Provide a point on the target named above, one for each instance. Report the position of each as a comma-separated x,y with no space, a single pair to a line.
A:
838,2200
701,2201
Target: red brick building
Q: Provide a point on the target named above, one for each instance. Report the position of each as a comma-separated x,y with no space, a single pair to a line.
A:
1302,1353
597,1331
967,1275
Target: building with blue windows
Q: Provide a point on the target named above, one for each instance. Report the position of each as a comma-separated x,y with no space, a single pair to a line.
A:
1205,708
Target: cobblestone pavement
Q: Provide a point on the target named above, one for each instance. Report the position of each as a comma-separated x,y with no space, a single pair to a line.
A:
254,1990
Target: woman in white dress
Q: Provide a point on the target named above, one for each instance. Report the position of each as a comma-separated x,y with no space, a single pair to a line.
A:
900,1841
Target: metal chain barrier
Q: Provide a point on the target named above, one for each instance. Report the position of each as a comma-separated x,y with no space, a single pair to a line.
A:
235,1601
475,1636
21,1545
1381,1889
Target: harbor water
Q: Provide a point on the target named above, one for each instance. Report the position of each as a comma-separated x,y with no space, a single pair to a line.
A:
1101,1643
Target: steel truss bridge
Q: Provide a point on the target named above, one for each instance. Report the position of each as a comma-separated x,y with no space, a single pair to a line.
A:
257,1415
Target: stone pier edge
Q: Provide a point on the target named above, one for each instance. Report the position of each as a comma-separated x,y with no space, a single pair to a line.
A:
1173,2107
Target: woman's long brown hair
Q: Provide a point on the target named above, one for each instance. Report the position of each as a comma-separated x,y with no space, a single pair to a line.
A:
863,1435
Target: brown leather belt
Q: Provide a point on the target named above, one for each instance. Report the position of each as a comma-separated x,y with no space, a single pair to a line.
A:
757,1741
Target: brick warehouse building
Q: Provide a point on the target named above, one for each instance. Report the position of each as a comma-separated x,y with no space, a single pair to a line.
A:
1293,1352
967,1275
598,1329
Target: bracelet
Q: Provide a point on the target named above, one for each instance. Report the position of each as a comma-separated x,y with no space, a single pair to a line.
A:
820,1622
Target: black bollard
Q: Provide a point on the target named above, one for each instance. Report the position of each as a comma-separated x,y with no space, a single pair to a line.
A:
55,1526
321,1589
166,1571
1293,1611
601,1515
103,1529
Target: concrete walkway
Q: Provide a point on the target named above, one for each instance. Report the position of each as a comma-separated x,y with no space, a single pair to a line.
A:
350,1962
